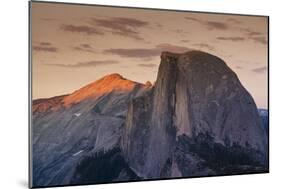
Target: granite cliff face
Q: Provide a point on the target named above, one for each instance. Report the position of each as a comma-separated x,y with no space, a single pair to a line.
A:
196,120
264,114
71,128
197,104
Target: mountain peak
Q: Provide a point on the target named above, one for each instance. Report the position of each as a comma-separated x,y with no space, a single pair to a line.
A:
148,84
192,54
113,76
105,85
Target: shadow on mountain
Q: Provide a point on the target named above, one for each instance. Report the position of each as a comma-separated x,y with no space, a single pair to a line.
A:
103,167
219,159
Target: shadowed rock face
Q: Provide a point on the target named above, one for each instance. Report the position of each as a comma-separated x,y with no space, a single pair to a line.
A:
70,128
264,117
196,95
196,120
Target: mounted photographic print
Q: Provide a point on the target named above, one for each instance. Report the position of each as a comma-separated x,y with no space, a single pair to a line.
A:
121,94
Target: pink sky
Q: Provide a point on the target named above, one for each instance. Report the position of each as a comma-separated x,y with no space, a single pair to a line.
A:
73,45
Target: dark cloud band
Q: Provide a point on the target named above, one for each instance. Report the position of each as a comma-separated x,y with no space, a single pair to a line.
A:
145,53
260,70
126,27
211,25
92,63
81,29
234,39
204,46
84,48
147,65
45,49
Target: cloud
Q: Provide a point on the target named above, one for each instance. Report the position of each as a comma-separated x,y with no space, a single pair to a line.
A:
48,19
85,48
211,25
145,53
172,48
134,53
185,40
239,67
92,63
180,31
234,39
260,39
260,70
249,32
122,26
254,33
158,25
192,19
45,44
233,20
216,25
81,29
147,65
126,27
86,45
44,47
204,46
255,36
119,21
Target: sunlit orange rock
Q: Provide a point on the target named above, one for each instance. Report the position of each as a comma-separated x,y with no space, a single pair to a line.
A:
113,82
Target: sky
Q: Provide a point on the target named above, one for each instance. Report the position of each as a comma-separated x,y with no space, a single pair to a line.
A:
74,45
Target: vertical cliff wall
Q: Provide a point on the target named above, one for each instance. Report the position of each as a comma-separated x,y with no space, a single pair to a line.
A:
197,100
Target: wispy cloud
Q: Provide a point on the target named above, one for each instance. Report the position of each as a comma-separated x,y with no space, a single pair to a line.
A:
234,39
216,25
239,67
89,30
204,46
192,19
158,25
48,19
254,33
92,63
85,48
260,70
126,27
172,48
44,47
45,43
255,36
147,65
260,39
145,53
185,40
180,31
233,20
211,25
